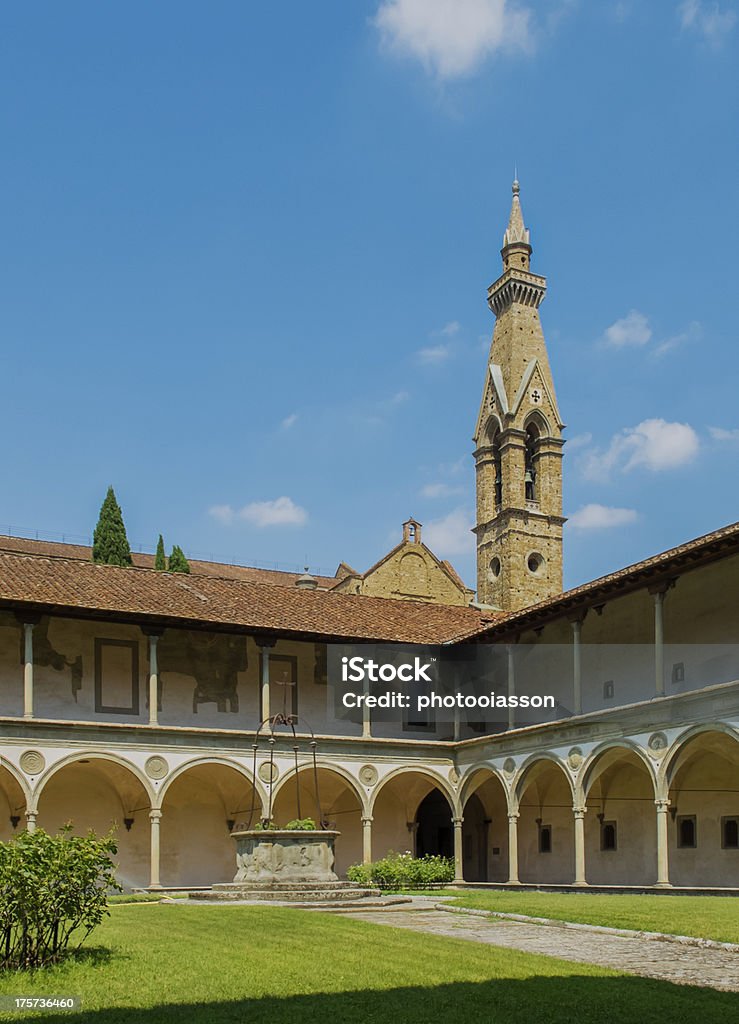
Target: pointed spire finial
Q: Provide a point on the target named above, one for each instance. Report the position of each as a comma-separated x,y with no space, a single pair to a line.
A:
516,232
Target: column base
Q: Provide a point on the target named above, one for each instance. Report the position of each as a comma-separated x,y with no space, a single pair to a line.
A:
154,888
663,885
580,885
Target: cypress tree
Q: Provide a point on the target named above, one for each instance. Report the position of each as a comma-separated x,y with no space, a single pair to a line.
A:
177,560
160,559
110,543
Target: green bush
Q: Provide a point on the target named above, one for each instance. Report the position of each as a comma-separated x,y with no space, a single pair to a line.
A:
403,871
302,824
52,888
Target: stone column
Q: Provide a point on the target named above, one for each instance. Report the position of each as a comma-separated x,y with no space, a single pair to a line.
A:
579,813
154,818
265,643
513,849
659,644
153,680
31,820
511,685
576,667
28,670
663,861
367,839
366,716
458,850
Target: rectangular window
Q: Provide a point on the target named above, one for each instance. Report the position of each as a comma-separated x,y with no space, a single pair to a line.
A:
545,838
687,833
608,836
678,672
283,683
608,690
730,833
116,677
419,721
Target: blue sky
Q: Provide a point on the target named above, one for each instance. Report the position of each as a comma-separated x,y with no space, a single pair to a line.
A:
246,250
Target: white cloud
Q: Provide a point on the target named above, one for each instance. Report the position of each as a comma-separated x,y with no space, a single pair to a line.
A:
693,332
439,490
399,397
280,512
653,444
601,517
579,441
631,330
223,513
450,535
289,421
434,355
452,37
450,329
721,434
707,19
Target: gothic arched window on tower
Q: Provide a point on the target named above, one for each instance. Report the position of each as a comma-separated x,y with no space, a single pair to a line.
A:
531,459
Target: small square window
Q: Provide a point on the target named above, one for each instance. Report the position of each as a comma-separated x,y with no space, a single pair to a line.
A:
687,834
608,836
545,838
678,672
730,833
608,690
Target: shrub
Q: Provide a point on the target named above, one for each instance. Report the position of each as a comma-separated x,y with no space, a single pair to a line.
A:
403,871
52,888
302,824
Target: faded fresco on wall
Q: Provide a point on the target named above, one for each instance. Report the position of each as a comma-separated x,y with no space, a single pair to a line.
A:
45,655
213,660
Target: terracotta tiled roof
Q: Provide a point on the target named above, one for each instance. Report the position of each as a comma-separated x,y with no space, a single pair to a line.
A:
702,550
144,561
79,587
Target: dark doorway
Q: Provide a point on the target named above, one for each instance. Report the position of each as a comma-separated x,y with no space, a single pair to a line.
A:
435,833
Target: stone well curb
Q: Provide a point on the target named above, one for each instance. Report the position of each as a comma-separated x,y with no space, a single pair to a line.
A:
682,940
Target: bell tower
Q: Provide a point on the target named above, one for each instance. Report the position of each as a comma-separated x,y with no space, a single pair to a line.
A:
518,441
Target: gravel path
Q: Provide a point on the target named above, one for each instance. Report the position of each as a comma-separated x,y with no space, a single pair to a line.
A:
667,961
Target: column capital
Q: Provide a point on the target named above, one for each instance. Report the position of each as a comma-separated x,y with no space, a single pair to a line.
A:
457,822
153,632
579,812
367,819
513,817
155,815
577,618
261,640
28,618
661,805
658,590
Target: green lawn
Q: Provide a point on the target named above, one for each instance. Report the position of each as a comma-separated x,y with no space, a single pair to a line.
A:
707,917
264,965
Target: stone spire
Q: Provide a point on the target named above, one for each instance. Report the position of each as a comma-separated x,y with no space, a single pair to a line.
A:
518,441
516,233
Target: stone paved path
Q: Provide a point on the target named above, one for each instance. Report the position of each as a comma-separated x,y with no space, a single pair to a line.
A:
667,961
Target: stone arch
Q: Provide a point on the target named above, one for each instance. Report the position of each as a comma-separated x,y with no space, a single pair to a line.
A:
396,805
493,427
227,762
543,796
341,801
434,778
701,780
100,791
484,828
619,790
337,769
678,745
14,800
537,418
201,803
